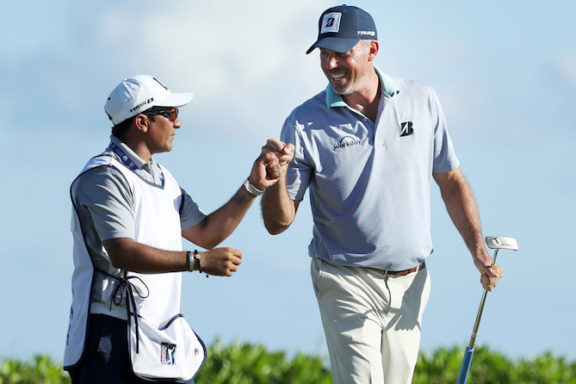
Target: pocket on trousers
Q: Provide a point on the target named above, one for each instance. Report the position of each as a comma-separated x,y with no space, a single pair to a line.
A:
104,337
104,349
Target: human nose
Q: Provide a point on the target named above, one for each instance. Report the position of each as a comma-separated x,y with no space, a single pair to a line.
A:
177,123
329,60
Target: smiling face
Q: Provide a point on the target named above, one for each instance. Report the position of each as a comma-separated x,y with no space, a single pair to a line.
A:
348,71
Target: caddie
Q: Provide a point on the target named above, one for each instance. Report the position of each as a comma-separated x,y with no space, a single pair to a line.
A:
129,218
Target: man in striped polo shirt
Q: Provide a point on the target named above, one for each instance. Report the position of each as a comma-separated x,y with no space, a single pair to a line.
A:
366,148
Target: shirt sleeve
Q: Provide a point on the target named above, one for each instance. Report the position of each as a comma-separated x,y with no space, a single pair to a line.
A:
445,158
190,213
299,172
103,196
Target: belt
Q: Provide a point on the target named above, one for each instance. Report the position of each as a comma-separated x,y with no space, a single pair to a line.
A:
407,271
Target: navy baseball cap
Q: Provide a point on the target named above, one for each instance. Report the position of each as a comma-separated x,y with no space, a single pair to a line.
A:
341,28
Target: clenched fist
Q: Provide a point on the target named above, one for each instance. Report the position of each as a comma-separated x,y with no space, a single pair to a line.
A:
220,261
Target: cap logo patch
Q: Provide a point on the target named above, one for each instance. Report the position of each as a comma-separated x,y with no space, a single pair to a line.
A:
331,22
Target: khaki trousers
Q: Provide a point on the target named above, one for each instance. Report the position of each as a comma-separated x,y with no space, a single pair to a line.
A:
372,321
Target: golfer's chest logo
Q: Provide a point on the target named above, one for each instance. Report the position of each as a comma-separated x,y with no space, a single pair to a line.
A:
346,142
406,128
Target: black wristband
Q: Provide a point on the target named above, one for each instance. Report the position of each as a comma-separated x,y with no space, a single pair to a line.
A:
197,266
197,262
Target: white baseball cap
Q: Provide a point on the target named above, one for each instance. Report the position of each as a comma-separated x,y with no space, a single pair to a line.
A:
136,94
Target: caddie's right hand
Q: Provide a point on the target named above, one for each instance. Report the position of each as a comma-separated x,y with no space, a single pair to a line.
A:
220,261
271,164
282,154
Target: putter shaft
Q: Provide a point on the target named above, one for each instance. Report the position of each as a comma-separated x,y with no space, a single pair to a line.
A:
493,242
480,309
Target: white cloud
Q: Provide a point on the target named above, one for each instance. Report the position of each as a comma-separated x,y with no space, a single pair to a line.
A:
240,57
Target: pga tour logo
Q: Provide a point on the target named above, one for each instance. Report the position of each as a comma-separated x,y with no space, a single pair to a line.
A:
167,352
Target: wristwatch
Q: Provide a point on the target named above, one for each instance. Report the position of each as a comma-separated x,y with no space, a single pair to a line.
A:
252,189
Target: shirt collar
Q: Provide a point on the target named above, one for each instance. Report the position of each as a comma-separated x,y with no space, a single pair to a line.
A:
130,153
388,87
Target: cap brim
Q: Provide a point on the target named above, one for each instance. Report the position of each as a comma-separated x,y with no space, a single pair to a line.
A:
175,100
336,44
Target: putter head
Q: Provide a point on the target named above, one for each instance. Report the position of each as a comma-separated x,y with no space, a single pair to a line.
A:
498,242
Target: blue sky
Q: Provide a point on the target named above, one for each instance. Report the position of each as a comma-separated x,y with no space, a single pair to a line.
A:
504,71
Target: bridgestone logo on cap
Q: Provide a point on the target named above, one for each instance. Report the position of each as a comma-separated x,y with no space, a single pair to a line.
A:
331,22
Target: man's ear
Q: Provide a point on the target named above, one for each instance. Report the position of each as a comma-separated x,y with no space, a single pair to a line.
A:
141,122
374,47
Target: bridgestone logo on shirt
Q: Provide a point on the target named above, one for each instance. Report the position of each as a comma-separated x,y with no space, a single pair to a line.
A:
406,128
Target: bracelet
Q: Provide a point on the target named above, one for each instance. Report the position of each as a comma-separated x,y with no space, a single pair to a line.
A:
252,189
190,263
197,265
193,262
197,262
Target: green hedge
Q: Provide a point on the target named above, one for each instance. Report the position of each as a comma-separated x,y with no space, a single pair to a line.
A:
42,369
243,363
490,367
253,364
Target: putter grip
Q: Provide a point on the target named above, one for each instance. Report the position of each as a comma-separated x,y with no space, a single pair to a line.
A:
465,365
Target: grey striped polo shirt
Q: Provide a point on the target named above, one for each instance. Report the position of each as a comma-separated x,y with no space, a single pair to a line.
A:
369,183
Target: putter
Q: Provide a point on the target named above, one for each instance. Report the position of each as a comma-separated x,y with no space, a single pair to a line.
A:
497,243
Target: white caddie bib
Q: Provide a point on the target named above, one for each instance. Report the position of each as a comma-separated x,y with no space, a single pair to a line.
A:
162,344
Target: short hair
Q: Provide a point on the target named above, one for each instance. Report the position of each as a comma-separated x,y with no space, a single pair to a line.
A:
120,129
366,44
